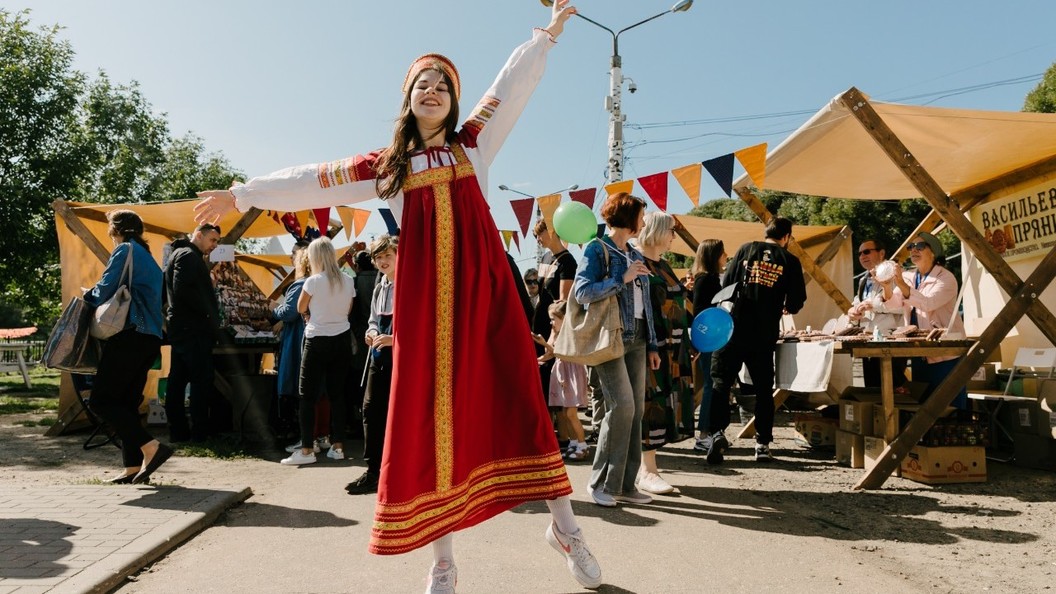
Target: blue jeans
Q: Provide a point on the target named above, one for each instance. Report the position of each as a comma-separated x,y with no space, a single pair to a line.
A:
619,452
704,364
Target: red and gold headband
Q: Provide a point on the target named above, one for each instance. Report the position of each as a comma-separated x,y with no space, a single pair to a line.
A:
433,62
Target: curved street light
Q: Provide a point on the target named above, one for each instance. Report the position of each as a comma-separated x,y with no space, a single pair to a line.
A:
616,78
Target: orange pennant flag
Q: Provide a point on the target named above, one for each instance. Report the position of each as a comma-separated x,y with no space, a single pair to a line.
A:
353,219
626,185
302,219
347,218
360,222
753,159
548,204
689,178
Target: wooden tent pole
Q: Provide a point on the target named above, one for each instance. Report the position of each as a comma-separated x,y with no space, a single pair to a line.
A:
78,228
805,260
1024,297
858,105
830,250
686,236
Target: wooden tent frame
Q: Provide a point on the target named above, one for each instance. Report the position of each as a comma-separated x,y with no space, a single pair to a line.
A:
949,210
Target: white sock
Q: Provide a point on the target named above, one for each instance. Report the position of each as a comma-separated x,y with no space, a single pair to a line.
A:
561,510
573,444
444,549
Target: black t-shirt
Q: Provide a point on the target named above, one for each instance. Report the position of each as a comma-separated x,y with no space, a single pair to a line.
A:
555,268
773,282
705,287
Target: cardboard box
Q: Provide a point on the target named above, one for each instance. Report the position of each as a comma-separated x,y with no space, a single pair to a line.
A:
850,449
873,447
945,465
1033,451
856,411
815,430
984,378
1025,416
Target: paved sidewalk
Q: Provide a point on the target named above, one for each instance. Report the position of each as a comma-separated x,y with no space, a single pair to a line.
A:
88,538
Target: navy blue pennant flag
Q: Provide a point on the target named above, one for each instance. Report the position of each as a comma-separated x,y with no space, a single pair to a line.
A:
390,221
721,170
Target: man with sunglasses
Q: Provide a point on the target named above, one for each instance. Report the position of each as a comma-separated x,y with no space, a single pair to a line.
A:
867,309
192,319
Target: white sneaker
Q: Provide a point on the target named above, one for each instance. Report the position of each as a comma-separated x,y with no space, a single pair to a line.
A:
335,453
581,563
293,447
654,483
298,459
442,578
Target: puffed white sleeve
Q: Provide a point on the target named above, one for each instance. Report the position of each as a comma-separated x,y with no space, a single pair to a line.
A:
319,185
494,116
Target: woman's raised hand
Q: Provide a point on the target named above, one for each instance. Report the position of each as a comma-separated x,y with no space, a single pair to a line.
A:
214,205
634,268
560,12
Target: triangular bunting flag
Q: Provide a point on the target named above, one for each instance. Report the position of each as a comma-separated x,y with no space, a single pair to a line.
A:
390,221
548,204
522,209
655,186
506,236
626,185
516,241
360,221
689,178
585,196
347,216
753,159
302,220
322,216
721,170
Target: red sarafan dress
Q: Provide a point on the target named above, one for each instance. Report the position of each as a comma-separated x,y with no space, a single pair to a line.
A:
469,435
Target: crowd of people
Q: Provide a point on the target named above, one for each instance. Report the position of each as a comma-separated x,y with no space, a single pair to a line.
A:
446,359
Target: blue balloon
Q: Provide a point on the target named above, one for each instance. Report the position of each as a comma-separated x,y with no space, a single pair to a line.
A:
711,330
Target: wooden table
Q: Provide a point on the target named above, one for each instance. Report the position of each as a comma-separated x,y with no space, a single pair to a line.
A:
887,350
19,349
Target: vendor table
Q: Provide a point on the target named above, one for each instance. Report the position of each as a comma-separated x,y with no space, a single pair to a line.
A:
19,349
236,378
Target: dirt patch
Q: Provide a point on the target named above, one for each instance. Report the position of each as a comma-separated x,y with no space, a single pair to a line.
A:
956,538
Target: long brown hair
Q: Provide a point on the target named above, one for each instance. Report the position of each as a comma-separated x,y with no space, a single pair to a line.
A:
707,260
394,164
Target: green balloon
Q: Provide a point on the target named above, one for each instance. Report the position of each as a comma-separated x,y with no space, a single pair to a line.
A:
574,222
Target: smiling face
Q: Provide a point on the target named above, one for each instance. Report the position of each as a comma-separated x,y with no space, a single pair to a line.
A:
869,256
921,255
430,101
385,262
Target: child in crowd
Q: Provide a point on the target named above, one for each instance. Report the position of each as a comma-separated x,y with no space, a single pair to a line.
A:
568,389
379,371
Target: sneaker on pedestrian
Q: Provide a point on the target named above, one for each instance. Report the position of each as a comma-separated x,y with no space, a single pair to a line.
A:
582,452
581,562
635,496
297,446
719,443
298,459
762,453
322,443
602,498
703,444
366,483
335,453
650,482
442,578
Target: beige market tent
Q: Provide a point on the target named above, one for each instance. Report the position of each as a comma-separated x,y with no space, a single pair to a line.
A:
955,159
84,249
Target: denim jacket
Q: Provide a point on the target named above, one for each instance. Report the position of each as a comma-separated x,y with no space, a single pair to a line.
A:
145,311
590,286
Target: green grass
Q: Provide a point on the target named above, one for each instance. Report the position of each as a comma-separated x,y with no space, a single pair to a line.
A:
45,383
45,422
14,405
219,448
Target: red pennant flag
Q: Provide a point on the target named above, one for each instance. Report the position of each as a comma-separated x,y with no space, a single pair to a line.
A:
523,210
517,241
585,196
322,217
655,186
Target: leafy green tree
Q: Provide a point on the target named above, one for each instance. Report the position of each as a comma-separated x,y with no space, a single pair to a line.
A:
1043,98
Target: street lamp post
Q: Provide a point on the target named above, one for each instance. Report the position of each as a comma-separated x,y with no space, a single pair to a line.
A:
616,78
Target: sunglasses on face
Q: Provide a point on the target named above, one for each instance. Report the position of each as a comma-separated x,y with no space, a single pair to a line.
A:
866,252
531,281
918,245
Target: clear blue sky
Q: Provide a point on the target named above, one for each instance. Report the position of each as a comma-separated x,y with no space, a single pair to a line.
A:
273,84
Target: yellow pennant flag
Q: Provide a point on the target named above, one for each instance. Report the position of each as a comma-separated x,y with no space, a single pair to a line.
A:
548,204
626,185
353,219
753,159
360,221
689,178
506,237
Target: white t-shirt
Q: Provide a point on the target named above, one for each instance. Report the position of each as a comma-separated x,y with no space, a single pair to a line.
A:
329,306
